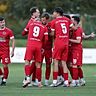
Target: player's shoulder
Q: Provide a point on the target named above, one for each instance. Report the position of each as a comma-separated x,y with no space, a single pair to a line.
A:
38,23
8,29
80,29
52,21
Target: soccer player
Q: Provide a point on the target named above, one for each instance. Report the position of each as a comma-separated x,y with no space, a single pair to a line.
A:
76,53
47,48
6,35
37,33
34,16
60,28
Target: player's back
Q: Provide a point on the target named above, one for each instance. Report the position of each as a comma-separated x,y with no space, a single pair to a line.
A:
37,32
61,26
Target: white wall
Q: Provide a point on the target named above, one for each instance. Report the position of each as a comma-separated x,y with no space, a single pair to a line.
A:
89,55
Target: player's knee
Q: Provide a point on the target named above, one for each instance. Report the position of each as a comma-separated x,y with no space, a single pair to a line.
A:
5,65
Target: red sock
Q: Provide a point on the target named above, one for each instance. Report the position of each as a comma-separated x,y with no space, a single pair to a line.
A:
6,72
65,76
32,67
55,74
34,74
1,73
80,73
27,70
47,73
75,73
38,74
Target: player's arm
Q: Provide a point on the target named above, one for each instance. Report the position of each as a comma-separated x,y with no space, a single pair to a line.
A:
52,28
13,45
26,29
77,40
52,33
25,32
92,35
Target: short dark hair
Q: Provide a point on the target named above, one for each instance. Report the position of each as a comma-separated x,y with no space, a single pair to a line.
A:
76,18
67,16
46,15
59,10
32,10
1,18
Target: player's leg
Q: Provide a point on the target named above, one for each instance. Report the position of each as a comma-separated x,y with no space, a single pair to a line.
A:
64,65
38,59
60,79
5,74
28,58
5,62
80,71
75,77
48,59
55,73
27,73
38,74
69,61
81,77
65,74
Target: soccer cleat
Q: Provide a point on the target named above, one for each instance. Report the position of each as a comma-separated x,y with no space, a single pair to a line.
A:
40,85
46,83
25,84
3,83
82,82
66,83
24,80
73,85
59,83
35,84
31,84
53,85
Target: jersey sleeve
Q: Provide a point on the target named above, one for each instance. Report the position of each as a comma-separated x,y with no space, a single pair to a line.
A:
79,33
52,25
26,29
11,35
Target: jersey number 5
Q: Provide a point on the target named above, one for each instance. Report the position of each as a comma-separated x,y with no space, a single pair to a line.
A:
64,29
36,31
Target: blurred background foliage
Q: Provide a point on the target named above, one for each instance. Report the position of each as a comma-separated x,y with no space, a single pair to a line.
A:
17,12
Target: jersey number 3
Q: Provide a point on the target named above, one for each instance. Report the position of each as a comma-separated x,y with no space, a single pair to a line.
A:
64,29
36,31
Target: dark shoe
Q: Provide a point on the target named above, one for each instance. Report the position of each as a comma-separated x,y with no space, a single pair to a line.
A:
3,83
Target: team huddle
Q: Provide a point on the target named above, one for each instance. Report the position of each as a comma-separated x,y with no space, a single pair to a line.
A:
58,38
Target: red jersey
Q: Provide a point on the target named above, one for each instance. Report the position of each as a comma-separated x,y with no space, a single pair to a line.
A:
37,33
77,34
5,35
61,26
48,45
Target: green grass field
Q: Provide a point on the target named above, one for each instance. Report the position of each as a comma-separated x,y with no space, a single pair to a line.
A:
14,84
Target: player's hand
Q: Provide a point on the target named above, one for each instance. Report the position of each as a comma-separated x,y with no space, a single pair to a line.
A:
12,53
42,51
92,35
